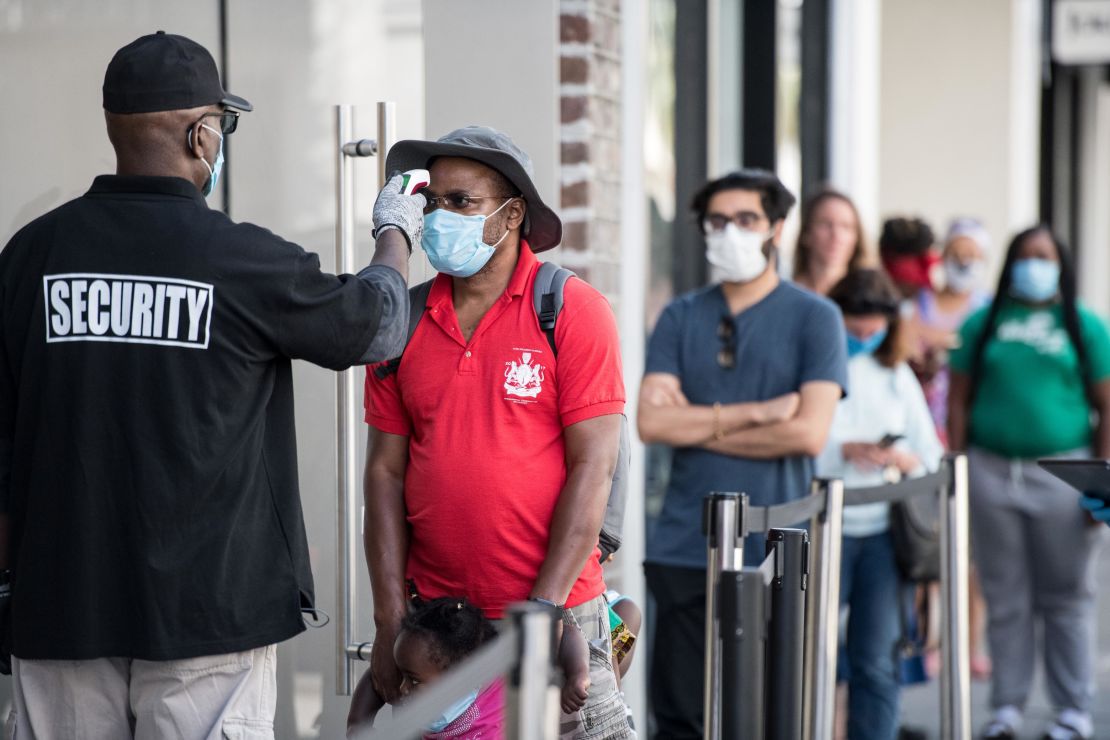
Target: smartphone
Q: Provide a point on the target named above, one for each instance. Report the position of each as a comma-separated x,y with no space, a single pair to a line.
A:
1090,477
890,439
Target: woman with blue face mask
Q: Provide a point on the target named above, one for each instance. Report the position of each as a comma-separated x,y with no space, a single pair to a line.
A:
881,432
1030,379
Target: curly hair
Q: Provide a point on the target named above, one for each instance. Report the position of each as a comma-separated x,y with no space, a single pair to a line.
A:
455,628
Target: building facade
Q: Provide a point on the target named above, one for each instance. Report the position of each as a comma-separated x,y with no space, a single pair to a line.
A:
939,109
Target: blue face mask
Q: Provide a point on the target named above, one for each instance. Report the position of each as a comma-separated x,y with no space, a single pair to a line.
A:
453,242
453,712
857,346
1035,280
213,170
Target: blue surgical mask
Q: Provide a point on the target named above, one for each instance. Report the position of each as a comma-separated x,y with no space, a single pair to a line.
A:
213,170
453,712
1035,280
453,242
857,346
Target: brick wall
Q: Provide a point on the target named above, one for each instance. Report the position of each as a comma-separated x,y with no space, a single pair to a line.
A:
590,155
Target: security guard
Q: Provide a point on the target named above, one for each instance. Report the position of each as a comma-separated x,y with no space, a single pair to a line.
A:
150,517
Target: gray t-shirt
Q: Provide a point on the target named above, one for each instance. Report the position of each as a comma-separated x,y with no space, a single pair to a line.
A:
789,338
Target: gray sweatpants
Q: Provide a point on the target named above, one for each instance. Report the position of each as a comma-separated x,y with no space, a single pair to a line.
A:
1035,551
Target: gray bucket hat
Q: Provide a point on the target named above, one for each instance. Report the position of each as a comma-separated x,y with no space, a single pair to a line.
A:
494,149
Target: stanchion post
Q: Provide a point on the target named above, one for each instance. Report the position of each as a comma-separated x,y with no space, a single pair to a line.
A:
955,677
742,606
532,706
823,613
786,635
723,515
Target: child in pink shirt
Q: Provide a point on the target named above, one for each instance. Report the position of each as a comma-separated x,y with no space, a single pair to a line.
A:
435,636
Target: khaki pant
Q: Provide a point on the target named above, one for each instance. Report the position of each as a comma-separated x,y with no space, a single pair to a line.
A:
603,717
209,698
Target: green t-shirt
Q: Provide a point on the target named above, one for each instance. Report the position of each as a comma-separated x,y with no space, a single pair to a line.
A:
1031,401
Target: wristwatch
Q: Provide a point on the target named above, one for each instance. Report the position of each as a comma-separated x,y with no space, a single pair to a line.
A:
547,602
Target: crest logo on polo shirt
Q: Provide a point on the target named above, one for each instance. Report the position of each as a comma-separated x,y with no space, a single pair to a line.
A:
132,309
524,379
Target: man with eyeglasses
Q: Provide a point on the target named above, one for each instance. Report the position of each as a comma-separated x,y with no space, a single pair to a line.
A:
150,520
742,380
491,451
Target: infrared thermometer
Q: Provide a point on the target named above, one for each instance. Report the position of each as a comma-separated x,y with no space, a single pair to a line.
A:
413,180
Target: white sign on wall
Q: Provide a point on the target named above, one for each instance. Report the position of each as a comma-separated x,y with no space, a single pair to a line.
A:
1081,31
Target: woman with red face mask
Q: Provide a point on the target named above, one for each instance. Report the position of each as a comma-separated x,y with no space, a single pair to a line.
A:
906,250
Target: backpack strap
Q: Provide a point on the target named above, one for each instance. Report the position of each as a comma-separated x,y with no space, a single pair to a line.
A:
547,298
418,303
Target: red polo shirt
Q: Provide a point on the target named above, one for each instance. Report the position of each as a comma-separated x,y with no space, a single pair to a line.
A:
485,422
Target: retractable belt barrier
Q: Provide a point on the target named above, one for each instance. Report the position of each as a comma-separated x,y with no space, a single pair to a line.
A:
759,682
524,653
756,617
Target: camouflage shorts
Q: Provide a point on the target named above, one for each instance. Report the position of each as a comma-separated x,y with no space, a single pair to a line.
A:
603,717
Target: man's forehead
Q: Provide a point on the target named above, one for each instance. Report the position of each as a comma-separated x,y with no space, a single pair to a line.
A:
734,200
459,169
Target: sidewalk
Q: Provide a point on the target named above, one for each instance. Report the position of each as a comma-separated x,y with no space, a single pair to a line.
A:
921,704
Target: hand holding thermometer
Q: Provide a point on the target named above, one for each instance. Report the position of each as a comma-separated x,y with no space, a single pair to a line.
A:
414,180
397,207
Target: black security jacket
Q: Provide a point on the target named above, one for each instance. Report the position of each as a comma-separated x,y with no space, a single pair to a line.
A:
148,457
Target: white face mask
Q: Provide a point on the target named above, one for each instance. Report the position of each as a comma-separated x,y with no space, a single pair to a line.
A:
961,278
735,255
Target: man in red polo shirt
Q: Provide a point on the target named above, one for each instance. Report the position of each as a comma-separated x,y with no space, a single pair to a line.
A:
489,459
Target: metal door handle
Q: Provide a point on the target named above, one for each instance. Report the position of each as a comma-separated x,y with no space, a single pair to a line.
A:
347,650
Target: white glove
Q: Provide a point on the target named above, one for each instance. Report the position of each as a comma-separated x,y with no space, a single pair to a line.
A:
395,210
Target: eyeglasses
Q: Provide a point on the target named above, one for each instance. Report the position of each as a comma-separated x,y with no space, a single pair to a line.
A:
744,219
726,332
229,120
458,201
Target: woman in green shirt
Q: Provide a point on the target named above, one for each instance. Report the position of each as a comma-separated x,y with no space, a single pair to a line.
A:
1031,374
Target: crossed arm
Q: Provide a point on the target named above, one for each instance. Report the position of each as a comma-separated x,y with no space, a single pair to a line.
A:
793,424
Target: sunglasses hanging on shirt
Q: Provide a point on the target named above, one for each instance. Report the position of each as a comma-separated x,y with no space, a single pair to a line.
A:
726,333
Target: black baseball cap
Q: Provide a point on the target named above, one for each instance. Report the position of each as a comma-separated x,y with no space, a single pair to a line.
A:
163,71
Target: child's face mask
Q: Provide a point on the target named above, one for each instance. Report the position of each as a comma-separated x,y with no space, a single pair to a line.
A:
453,712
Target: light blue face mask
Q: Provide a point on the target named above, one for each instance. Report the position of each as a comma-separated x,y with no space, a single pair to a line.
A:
857,346
453,242
453,712
1035,280
213,170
